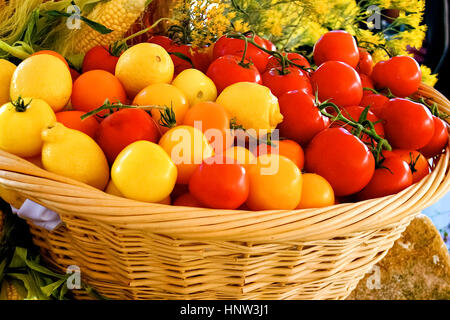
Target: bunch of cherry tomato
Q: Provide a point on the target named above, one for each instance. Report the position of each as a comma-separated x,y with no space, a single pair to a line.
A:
352,126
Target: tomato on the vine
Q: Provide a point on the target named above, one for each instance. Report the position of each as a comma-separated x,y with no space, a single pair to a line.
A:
419,165
342,159
229,46
228,70
269,45
220,184
124,127
366,82
339,83
336,45
439,140
294,79
407,124
354,113
401,75
302,120
296,58
393,176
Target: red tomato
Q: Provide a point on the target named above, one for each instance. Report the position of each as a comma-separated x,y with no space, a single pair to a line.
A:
220,186
124,127
180,64
227,70
342,159
163,41
338,82
366,82
393,177
75,74
227,46
365,65
269,45
294,57
336,45
294,80
401,74
354,113
72,120
439,141
99,58
187,200
52,53
376,102
418,164
201,58
302,119
408,125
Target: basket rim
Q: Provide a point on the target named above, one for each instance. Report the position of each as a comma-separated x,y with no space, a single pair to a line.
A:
76,201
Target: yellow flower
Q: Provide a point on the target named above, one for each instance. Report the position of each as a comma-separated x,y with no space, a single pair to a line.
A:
427,77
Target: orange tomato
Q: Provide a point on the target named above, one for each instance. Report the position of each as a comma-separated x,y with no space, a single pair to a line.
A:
187,200
316,192
215,124
275,184
52,53
288,148
241,155
92,88
163,95
187,147
72,120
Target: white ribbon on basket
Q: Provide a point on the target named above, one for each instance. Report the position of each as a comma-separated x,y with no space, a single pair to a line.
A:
38,215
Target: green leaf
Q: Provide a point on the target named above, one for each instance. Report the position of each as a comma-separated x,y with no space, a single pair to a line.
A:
17,260
49,289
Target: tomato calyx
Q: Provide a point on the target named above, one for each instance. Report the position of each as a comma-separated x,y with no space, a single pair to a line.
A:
20,104
360,127
168,118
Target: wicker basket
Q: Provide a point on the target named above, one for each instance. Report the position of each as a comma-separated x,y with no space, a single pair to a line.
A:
132,250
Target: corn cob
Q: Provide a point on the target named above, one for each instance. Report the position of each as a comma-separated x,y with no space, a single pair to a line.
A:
12,293
117,15
2,223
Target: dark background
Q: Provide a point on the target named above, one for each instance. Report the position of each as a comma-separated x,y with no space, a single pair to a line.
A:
436,46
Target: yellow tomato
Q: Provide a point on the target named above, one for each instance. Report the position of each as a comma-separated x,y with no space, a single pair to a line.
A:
143,171
21,124
43,77
252,105
196,86
6,71
142,65
163,95
317,192
241,155
112,189
275,184
187,147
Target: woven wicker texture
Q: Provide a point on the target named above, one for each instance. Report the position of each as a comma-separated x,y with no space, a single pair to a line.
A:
133,250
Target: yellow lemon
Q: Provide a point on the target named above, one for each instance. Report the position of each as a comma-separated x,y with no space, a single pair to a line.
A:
6,71
143,171
163,95
75,155
252,105
196,86
21,124
43,77
142,65
187,147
